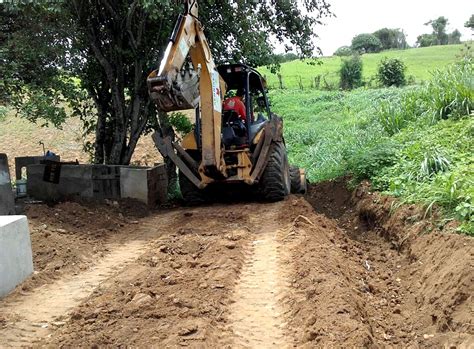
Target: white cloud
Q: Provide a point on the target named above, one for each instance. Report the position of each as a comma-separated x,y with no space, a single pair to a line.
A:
367,16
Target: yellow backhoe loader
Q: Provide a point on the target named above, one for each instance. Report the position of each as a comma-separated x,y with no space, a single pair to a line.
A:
223,148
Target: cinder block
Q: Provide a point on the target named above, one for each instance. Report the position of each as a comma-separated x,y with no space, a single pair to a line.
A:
7,199
16,259
146,184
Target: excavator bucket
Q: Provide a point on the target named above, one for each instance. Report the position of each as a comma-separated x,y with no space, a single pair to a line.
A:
174,93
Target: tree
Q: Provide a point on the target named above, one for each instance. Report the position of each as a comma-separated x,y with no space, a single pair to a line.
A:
391,38
470,23
343,51
425,40
363,43
439,29
286,57
94,55
454,38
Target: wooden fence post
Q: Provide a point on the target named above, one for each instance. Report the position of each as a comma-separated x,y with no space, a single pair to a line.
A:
280,80
317,82
300,83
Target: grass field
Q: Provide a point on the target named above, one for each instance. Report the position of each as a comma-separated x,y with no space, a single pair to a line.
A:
419,61
415,143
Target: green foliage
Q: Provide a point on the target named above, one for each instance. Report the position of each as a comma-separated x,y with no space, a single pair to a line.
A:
366,43
286,57
180,123
435,168
420,63
439,35
450,94
470,23
351,73
58,56
433,162
343,51
366,162
426,40
396,137
391,38
439,29
454,38
391,72
323,129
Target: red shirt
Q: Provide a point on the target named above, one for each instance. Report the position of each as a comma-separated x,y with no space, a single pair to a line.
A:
236,104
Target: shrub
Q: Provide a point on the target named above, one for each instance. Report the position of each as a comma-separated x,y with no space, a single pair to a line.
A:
367,162
351,73
366,43
391,72
343,51
180,123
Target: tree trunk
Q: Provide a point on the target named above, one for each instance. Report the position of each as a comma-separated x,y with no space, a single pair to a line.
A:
167,130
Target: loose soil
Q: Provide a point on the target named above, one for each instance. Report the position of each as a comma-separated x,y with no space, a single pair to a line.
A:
337,269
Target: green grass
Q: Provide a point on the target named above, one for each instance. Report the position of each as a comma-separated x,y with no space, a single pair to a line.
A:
322,127
415,143
419,61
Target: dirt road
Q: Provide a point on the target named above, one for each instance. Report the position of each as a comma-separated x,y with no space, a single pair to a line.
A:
331,272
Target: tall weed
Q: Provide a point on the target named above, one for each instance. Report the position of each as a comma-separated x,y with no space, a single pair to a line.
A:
449,95
451,91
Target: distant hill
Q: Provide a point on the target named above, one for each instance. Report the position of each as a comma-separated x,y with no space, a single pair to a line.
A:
420,62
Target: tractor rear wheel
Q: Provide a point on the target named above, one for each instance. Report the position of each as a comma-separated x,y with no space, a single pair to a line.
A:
275,182
298,180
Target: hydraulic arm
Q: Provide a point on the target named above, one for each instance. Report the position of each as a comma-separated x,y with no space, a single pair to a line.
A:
173,87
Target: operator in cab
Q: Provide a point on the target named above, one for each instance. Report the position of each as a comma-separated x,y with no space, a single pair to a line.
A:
237,104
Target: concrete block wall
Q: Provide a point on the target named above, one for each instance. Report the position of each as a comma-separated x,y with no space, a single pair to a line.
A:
16,259
24,161
7,198
148,185
75,181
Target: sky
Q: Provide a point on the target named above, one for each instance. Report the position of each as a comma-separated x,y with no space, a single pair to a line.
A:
366,16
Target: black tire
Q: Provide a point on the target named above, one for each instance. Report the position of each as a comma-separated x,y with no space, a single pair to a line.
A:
275,183
298,181
192,195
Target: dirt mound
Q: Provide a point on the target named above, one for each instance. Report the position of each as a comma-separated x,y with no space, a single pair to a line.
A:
374,281
69,237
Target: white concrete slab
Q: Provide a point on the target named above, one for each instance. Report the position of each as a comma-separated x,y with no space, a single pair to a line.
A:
16,258
7,199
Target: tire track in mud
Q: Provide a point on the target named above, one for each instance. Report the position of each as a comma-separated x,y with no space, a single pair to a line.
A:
38,313
256,316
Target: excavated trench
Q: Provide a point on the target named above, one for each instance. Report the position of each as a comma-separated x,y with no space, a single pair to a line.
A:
336,269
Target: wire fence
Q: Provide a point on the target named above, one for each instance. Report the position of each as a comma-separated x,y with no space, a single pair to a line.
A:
327,81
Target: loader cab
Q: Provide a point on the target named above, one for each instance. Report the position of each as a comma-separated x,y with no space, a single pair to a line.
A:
238,133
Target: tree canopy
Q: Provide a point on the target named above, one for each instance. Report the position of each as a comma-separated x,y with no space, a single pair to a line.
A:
470,23
391,38
93,56
439,36
366,43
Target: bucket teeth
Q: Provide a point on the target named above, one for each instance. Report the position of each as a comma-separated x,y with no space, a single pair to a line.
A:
175,91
